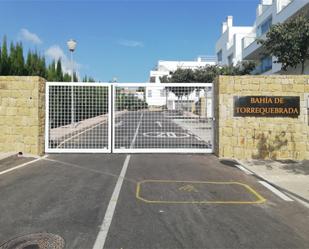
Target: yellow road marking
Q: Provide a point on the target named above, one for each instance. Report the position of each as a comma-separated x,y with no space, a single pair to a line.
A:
188,188
259,199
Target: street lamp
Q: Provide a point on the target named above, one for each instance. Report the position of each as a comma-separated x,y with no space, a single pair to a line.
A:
71,46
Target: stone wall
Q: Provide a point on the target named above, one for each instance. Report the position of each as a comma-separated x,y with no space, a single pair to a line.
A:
260,137
22,114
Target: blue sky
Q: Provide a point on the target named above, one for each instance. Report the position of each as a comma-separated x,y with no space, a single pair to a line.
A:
122,39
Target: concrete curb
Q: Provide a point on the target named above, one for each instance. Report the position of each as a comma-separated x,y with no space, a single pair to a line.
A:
274,185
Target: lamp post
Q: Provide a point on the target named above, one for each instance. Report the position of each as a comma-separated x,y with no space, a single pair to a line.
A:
71,46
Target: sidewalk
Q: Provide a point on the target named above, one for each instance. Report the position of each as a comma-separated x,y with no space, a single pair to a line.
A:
196,125
289,175
201,129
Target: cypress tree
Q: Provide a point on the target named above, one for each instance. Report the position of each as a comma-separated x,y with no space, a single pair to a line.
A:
12,67
66,77
29,68
4,58
17,60
59,73
0,62
75,79
51,72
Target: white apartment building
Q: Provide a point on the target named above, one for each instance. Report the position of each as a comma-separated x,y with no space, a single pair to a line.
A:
268,12
229,45
164,68
157,96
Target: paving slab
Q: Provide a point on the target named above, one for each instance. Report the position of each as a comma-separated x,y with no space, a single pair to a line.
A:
290,175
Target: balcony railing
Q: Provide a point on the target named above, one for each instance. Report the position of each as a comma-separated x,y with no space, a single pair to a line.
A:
247,41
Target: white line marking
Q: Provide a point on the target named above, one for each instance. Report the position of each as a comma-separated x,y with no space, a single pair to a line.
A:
136,132
276,191
101,238
244,169
21,166
78,134
159,124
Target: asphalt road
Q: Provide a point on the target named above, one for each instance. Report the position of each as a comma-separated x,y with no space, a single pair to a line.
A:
68,195
148,130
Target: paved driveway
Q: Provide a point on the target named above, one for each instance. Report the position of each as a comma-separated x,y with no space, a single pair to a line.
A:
143,130
163,201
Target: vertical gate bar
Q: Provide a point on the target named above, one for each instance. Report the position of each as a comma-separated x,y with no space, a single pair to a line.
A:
109,136
212,118
47,127
113,100
72,106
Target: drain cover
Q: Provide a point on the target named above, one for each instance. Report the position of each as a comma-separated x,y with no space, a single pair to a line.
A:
35,241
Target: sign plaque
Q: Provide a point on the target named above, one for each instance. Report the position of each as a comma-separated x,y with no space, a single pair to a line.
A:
267,106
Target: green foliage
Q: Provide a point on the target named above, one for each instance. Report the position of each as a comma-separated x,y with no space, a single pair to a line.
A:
66,77
203,75
208,73
4,58
289,42
88,79
13,62
129,102
35,65
59,73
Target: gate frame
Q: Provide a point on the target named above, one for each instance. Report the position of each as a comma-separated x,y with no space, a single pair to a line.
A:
111,119
159,150
47,130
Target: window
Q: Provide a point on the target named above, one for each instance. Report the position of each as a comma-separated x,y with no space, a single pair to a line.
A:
219,56
264,27
266,64
152,79
230,60
149,93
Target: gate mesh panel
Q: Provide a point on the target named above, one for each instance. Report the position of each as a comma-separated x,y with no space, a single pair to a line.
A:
158,117
80,122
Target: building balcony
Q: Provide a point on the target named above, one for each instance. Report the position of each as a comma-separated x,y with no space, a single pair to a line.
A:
290,9
248,40
253,50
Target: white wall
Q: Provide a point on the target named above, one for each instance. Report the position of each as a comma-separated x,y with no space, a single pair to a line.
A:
230,41
157,99
165,67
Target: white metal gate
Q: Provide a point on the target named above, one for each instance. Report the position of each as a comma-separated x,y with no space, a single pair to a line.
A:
129,118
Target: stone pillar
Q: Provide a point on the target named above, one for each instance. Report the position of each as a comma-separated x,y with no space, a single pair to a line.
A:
261,137
22,114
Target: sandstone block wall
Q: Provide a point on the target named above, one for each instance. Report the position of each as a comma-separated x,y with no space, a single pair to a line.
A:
22,114
256,137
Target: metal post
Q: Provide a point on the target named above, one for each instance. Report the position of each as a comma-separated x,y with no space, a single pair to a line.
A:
72,92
